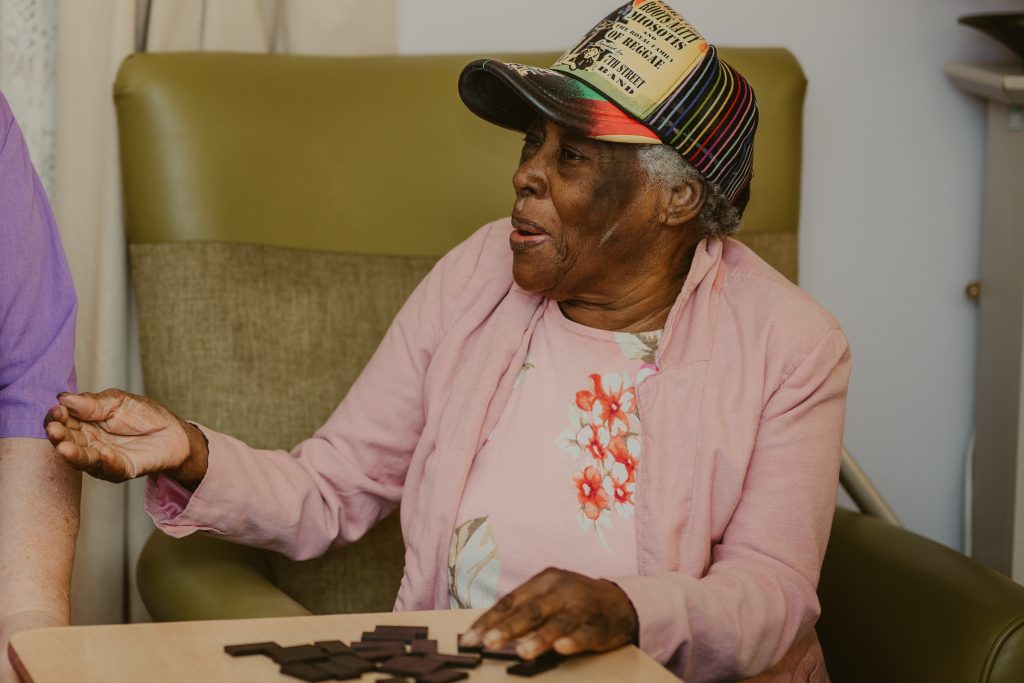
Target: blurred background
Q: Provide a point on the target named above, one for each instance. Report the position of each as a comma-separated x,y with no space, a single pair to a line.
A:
890,217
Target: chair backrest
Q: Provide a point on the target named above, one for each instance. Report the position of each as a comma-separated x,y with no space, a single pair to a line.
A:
370,154
279,209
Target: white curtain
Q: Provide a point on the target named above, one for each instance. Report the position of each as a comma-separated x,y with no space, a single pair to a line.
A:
94,37
326,27
28,62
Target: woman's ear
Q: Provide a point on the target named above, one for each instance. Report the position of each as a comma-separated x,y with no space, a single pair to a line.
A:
682,202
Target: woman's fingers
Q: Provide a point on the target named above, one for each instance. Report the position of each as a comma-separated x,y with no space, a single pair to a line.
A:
544,636
558,610
68,430
596,634
75,446
114,466
57,413
77,457
579,626
507,608
92,407
475,635
64,443
56,432
78,437
532,612
100,461
116,436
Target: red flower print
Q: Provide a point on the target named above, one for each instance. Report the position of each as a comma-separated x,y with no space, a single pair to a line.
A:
623,496
611,403
585,400
621,491
590,493
593,439
604,421
619,448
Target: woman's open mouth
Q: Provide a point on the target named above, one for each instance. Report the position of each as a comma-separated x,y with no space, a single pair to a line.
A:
526,235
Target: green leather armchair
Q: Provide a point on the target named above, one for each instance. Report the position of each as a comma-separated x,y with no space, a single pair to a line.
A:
898,607
279,209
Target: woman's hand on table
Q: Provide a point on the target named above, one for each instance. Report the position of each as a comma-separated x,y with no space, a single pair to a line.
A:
116,436
558,610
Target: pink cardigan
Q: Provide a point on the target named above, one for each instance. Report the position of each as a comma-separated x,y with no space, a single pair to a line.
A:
743,427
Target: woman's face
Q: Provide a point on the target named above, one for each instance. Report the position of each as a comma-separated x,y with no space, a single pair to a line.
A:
584,217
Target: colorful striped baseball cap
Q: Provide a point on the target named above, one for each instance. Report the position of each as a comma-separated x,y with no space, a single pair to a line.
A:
641,75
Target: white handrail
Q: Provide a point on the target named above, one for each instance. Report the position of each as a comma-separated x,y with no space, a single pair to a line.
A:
863,493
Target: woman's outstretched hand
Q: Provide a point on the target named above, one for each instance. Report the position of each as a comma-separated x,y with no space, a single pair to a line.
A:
116,436
558,610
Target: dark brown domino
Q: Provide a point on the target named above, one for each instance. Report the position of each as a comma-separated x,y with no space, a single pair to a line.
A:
298,653
360,645
545,662
400,636
443,676
338,672
248,649
406,631
333,647
306,672
352,662
469,648
423,646
410,665
458,661
379,655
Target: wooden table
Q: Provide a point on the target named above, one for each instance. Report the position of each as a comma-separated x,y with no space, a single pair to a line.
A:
194,650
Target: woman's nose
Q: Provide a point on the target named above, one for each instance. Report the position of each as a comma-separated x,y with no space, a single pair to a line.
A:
530,179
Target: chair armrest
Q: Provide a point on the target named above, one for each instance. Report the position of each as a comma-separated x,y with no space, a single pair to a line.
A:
199,577
899,607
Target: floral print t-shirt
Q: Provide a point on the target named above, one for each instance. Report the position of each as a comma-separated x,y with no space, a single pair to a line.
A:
554,483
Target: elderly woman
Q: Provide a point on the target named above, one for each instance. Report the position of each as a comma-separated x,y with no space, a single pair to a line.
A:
604,420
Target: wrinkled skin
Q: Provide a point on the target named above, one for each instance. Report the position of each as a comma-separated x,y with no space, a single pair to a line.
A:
595,234
592,232
559,610
117,436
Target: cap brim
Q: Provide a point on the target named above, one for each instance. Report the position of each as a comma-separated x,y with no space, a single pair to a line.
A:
512,95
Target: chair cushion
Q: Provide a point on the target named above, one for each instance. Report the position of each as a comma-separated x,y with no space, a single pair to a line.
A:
263,343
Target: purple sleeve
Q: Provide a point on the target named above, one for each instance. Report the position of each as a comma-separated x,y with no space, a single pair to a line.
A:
37,298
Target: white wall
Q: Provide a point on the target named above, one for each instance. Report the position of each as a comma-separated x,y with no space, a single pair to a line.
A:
891,200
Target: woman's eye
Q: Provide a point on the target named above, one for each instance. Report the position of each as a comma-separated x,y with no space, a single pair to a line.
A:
569,154
530,146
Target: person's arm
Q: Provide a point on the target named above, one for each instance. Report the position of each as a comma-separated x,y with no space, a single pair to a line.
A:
758,597
38,493
38,526
329,490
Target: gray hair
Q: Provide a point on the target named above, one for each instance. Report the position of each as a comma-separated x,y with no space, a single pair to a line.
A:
663,164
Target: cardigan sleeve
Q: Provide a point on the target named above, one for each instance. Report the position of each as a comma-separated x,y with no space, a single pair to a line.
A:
331,488
759,595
